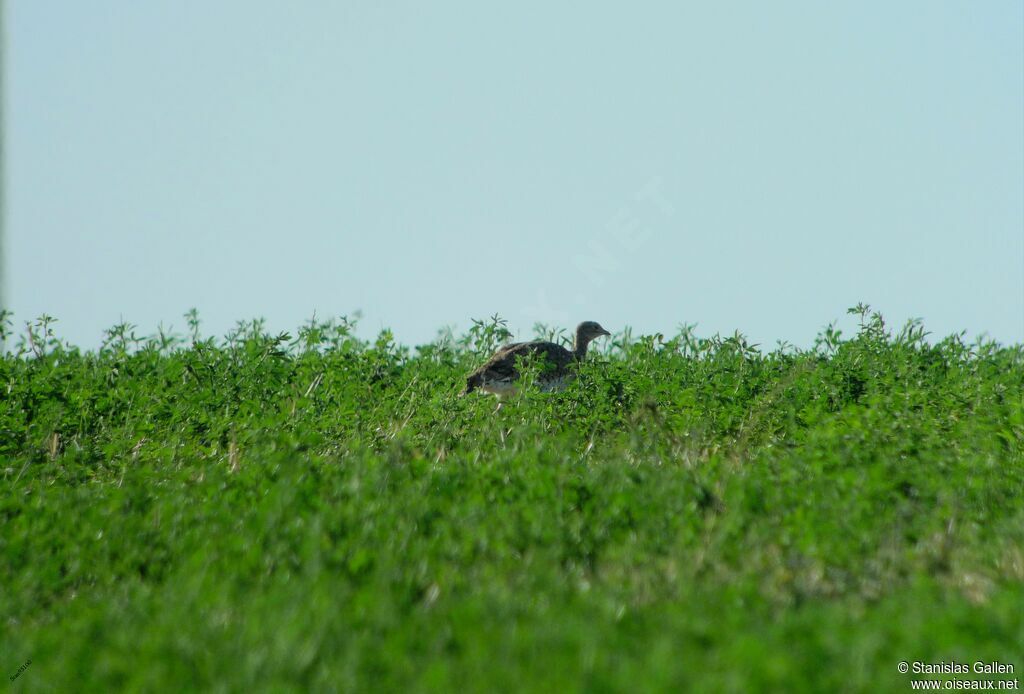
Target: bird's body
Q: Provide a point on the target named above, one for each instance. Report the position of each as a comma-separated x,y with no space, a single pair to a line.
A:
500,374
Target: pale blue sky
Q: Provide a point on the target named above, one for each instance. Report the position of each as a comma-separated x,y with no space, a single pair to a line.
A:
739,165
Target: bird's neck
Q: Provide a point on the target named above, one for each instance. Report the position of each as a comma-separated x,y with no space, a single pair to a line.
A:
580,347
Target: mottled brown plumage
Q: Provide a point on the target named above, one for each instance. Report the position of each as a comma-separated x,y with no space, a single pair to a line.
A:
499,374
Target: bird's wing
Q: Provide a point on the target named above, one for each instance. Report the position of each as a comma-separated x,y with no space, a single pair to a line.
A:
502,366
510,347
556,355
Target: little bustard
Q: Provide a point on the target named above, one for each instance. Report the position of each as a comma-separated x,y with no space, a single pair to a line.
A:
499,374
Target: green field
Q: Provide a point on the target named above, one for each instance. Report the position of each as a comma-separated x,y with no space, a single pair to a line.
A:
319,512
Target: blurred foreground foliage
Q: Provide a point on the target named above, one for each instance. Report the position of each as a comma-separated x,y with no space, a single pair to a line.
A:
317,511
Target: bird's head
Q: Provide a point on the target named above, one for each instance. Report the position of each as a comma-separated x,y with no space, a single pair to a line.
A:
588,330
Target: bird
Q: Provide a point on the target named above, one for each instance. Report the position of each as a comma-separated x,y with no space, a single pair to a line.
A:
499,375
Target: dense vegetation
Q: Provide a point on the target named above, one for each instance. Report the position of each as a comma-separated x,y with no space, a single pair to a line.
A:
321,512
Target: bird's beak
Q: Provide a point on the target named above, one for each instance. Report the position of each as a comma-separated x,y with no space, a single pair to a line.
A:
605,332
